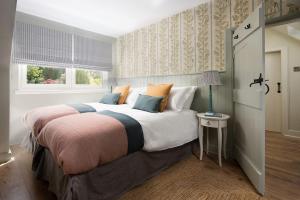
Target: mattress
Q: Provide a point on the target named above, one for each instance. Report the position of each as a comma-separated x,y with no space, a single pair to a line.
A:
163,130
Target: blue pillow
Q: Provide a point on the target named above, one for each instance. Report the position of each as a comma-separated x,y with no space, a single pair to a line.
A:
112,98
148,103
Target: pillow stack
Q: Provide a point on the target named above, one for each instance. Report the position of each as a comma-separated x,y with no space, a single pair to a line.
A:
118,96
181,98
134,94
161,90
155,98
124,90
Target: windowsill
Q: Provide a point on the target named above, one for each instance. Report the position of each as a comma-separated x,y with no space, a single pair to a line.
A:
74,91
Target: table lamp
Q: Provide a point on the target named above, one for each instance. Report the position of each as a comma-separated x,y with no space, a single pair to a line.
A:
210,78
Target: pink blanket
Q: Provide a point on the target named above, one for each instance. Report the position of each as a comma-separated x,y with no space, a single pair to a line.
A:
81,142
37,118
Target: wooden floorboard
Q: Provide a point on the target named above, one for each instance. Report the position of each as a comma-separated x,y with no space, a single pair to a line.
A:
282,167
189,179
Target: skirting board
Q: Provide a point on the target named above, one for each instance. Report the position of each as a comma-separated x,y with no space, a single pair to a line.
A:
292,133
4,157
247,165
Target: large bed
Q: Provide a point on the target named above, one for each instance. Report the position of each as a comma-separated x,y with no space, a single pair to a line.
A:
167,138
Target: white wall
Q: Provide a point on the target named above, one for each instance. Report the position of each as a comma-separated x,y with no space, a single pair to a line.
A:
7,16
275,40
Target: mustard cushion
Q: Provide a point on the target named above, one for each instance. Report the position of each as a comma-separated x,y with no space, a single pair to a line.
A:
161,90
124,90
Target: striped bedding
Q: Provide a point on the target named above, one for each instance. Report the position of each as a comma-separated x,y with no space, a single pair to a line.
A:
81,142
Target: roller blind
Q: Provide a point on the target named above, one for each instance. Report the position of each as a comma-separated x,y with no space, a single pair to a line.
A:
37,45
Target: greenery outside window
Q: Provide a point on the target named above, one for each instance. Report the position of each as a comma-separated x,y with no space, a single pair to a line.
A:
34,77
45,75
84,77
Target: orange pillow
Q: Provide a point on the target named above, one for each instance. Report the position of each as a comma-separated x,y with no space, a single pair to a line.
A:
161,90
124,90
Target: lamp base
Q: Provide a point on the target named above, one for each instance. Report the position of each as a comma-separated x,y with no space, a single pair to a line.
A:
212,114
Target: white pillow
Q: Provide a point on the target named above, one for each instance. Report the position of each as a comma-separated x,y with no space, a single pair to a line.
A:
181,98
133,95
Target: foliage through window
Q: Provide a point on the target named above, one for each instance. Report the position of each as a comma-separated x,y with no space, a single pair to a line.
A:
88,77
44,77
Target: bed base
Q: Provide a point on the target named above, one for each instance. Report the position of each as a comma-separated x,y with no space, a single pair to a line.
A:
108,181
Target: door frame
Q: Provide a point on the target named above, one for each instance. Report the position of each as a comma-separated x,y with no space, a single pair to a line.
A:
285,90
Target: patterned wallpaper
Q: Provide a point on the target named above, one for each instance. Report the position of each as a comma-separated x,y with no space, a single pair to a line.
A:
278,8
187,43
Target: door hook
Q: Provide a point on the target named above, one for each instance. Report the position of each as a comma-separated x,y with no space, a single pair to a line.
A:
259,80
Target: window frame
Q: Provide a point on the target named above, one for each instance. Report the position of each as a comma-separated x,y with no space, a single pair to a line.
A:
69,86
104,76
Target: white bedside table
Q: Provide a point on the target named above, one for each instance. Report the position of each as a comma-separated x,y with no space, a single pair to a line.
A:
213,122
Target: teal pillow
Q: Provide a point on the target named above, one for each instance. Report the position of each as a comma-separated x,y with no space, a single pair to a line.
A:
112,98
148,103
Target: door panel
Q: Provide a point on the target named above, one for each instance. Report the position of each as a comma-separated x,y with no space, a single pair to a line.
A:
249,102
273,99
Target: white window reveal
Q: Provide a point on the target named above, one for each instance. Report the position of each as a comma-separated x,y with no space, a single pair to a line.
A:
36,77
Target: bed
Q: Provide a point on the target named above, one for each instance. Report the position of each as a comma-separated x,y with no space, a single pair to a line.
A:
167,138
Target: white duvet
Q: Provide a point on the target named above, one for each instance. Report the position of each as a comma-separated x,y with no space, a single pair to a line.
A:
161,130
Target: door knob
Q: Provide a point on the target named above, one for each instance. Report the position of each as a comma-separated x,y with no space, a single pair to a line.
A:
278,87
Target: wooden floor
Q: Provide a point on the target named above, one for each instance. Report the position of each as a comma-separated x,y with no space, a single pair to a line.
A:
190,179
282,167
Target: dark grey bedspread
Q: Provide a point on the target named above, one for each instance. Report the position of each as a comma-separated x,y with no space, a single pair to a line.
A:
108,181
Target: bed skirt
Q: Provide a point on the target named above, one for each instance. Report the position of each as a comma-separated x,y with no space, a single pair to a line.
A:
108,181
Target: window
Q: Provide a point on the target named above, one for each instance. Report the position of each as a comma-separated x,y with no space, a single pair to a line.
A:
86,77
45,75
52,78
59,59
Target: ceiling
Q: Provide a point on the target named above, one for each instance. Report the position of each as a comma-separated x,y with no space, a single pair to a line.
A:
292,29
108,17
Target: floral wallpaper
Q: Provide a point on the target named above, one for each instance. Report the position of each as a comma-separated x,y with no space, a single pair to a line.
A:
240,11
186,43
152,45
203,37
174,45
163,47
220,22
273,8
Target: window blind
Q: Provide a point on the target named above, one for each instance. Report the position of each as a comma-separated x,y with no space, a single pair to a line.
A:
45,46
92,54
38,45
